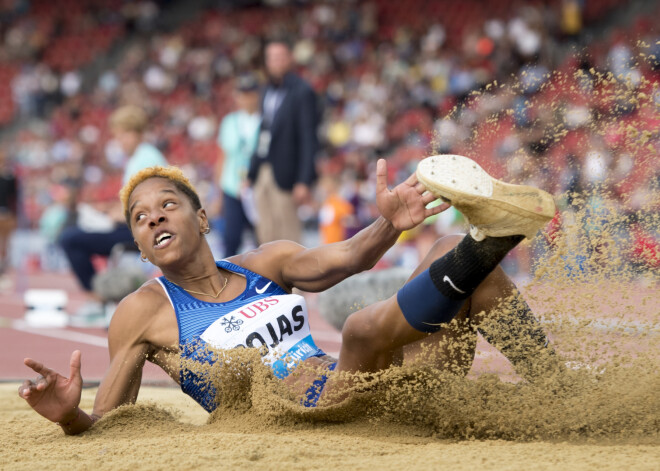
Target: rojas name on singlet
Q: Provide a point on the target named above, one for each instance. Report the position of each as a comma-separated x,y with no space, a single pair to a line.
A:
278,323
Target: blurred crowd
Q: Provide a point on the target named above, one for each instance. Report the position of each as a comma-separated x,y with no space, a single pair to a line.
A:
525,88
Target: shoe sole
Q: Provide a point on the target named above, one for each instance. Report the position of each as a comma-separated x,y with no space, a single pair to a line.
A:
470,189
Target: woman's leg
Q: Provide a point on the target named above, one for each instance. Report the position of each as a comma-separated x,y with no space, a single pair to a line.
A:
438,291
499,312
455,345
485,299
379,335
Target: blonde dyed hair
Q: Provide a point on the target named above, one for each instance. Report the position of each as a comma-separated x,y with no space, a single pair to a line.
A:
129,118
171,173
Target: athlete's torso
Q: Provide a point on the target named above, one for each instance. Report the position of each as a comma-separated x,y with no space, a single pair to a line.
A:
263,315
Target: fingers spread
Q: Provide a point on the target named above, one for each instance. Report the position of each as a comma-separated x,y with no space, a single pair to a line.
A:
437,209
428,197
37,366
420,188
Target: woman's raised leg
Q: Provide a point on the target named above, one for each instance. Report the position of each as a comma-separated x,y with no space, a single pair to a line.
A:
438,291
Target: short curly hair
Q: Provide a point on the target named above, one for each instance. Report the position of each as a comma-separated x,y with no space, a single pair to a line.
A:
171,173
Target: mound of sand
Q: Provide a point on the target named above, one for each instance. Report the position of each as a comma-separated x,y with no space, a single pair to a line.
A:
175,435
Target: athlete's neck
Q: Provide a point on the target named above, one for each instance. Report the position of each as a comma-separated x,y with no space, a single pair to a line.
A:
199,273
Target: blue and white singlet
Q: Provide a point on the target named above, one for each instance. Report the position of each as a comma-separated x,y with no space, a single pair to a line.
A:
264,314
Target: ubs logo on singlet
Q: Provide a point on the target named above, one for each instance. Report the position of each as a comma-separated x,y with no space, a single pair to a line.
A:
275,321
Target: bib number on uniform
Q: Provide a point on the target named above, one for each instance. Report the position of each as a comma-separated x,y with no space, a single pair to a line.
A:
277,324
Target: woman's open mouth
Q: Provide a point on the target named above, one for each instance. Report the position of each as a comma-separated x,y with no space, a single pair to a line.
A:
163,240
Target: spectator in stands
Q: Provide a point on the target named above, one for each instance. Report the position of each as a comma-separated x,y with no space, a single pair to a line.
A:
238,141
386,86
336,213
52,221
282,168
128,125
8,205
85,240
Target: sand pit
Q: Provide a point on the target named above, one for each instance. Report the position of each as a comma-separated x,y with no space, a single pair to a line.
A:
419,419
175,435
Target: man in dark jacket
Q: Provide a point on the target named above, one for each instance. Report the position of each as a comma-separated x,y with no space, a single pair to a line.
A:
282,168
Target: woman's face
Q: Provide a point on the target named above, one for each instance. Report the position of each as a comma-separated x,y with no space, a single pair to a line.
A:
165,226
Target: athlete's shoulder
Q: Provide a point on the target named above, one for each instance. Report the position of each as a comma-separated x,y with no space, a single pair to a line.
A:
150,292
137,310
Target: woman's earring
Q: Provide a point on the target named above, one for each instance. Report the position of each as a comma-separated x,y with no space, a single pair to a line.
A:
143,258
207,230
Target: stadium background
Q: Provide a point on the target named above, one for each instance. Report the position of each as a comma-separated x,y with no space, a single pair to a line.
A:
388,75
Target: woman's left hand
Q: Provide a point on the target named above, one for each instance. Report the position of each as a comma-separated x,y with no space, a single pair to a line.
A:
404,205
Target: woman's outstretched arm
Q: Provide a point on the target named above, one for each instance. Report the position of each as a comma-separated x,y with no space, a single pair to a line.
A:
402,208
57,397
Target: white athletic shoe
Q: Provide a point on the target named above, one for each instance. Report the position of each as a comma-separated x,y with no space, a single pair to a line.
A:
493,208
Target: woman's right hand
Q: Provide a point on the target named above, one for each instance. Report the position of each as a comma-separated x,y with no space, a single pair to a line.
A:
51,394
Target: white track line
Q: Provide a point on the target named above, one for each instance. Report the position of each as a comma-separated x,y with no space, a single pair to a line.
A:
62,334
